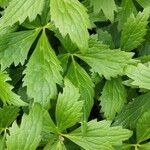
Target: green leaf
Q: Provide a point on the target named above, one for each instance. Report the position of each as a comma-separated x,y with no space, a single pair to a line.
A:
2,142
127,9
27,136
130,114
7,96
42,73
113,98
19,11
14,47
68,107
79,77
145,146
49,125
143,127
140,75
7,115
107,6
103,60
144,3
134,31
105,37
99,136
70,17
4,3
64,59
58,145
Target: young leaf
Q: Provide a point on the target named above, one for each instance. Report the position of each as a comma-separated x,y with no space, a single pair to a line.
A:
99,136
140,75
130,114
113,98
103,60
134,31
68,107
143,130
6,94
19,10
79,77
127,9
42,73
108,7
7,115
27,136
14,47
70,17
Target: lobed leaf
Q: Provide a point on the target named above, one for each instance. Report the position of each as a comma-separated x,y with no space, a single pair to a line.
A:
99,135
19,10
42,73
113,98
71,18
27,136
79,77
68,107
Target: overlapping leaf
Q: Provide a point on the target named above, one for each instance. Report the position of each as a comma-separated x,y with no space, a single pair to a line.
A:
143,127
7,115
6,93
128,8
42,73
113,98
79,77
19,10
133,111
14,47
70,17
134,31
144,3
103,60
108,7
140,75
27,136
99,135
69,107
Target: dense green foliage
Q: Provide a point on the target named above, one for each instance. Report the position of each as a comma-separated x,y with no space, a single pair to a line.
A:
74,74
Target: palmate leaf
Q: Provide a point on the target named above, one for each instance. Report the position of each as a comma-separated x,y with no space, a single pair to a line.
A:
68,107
103,60
107,6
14,47
70,17
6,94
27,136
19,10
42,73
130,114
143,127
99,136
140,75
113,98
134,31
79,77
